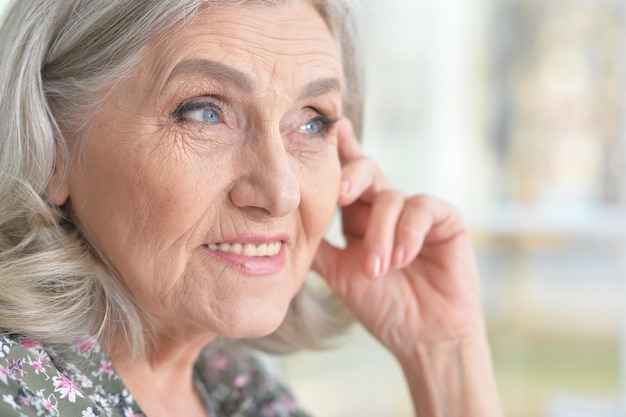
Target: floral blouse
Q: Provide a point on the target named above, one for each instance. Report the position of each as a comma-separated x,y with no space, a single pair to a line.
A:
79,380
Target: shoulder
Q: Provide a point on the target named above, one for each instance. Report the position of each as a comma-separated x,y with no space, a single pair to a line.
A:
242,383
38,380
25,371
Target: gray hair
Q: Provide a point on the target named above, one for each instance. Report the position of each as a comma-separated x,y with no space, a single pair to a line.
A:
59,58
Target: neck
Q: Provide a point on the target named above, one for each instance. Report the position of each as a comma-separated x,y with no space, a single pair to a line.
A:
161,380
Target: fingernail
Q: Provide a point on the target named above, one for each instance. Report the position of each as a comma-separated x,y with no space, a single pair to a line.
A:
374,266
398,257
345,187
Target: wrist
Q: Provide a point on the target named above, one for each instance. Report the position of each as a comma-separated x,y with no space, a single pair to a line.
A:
452,377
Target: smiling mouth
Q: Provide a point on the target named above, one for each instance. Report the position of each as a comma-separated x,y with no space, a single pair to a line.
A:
248,249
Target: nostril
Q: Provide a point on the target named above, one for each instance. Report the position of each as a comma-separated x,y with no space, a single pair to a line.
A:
273,190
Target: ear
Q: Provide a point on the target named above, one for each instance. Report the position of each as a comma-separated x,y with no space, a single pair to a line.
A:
58,190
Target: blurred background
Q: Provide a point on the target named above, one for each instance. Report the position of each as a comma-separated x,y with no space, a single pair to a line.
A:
514,111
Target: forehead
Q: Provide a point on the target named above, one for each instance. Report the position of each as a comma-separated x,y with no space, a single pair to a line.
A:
288,41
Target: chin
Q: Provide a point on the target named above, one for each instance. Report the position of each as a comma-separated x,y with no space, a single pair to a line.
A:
252,323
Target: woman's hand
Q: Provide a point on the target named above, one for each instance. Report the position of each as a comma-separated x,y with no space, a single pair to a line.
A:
409,275
408,272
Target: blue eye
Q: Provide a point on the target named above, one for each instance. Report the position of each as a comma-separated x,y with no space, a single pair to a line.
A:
313,127
204,115
318,126
202,111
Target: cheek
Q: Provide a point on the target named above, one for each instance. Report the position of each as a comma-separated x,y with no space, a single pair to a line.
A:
319,190
145,211
319,194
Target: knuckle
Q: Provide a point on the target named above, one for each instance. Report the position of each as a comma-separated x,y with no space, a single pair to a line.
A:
411,225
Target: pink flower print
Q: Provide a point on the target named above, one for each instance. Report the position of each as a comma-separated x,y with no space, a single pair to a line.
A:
106,368
37,366
287,402
3,376
50,403
24,398
240,381
85,345
270,410
30,343
220,363
66,388
83,381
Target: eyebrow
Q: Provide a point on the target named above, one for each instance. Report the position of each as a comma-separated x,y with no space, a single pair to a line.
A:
320,87
244,82
214,69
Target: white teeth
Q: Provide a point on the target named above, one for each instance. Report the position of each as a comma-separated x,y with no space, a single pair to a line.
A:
248,249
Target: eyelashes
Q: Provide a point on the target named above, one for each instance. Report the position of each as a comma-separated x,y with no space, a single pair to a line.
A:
317,126
201,111
310,121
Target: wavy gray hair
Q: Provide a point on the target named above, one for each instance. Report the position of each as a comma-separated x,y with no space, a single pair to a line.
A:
59,58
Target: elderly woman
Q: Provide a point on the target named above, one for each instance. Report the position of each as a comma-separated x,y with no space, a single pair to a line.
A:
168,170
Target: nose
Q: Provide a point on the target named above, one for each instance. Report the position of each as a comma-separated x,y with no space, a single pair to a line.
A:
268,184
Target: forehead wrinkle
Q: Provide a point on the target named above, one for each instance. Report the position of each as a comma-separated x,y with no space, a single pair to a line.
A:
280,74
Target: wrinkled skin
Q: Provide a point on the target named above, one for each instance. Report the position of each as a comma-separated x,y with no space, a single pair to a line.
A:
216,139
231,132
408,271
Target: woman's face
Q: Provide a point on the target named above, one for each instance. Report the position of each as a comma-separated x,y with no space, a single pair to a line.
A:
208,177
